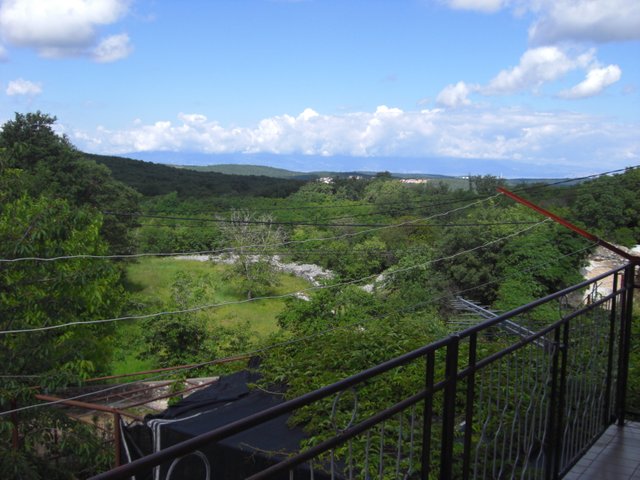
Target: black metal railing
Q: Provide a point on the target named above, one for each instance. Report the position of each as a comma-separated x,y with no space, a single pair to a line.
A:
482,403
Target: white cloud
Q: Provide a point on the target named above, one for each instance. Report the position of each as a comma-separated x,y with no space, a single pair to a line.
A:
23,87
574,20
597,80
478,5
514,135
585,20
60,28
3,53
537,66
112,48
455,95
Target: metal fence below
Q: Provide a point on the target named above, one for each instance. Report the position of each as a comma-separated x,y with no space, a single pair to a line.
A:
484,403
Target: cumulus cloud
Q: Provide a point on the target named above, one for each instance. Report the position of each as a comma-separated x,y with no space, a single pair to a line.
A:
597,80
478,5
23,87
62,28
537,66
112,48
455,95
585,20
574,20
515,135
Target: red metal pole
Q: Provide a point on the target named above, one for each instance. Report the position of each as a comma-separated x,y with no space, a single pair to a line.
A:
570,226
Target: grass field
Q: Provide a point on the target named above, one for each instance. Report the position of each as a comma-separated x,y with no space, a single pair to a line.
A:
150,287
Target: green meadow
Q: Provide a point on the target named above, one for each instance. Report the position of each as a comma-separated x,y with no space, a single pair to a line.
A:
149,283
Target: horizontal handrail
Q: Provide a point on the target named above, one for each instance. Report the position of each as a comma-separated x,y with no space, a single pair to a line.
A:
288,406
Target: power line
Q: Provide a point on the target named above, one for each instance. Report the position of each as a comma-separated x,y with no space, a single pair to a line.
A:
296,339
364,204
268,297
309,224
232,249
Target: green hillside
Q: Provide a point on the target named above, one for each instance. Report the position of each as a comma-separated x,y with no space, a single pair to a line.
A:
152,179
255,170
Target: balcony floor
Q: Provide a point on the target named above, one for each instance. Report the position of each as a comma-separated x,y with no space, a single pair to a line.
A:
615,456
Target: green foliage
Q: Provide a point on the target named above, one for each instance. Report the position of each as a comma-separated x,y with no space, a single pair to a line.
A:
633,395
389,195
358,339
610,206
328,308
178,339
35,294
485,184
50,204
53,167
53,446
152,179
253,263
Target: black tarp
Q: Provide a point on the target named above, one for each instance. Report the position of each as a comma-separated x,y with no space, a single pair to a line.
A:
236,457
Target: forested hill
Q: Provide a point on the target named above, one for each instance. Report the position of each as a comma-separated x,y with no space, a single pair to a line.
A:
152,179
259,170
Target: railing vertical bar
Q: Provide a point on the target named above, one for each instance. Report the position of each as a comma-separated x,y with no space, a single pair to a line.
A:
468,421
625,341
350,463
366,454
399,445
612,332
449,410
564,351
333,463
552,432
427,416
117,437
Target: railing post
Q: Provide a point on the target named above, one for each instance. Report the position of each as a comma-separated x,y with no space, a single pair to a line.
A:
625,341
427,416
553,433
117,437
468,420
606,414
449,410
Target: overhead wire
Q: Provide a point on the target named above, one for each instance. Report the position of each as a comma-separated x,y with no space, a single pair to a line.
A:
534,188
231,249
267,297
328,225
404,208
372,204
294,340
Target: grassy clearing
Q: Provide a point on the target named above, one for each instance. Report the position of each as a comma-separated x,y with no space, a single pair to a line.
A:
149,284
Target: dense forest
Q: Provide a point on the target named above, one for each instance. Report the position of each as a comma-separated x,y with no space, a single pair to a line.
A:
153,179
86,238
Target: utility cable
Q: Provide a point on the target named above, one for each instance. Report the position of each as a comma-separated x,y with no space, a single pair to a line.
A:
312,224
298,339
268,297
232,249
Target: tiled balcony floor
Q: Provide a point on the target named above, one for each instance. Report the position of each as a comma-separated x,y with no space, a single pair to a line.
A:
615,456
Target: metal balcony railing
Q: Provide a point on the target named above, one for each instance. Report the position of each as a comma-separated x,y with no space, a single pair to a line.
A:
491,403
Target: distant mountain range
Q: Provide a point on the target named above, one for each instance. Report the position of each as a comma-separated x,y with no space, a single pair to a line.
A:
151,178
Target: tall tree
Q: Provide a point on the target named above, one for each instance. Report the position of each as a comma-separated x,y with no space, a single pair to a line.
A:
35,294
57,169
253,239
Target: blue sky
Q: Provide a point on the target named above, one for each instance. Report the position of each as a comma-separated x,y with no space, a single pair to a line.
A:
547,87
